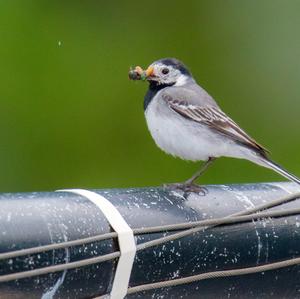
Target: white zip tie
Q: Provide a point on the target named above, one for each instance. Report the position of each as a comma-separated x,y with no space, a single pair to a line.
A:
125,239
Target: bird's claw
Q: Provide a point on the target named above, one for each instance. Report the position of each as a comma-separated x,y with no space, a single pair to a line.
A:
186,187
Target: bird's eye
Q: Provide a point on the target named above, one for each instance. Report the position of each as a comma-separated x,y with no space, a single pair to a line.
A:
165,71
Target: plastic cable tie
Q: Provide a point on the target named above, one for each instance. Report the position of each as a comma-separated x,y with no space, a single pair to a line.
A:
125,239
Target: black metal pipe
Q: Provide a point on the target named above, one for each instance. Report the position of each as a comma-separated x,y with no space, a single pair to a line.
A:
35,219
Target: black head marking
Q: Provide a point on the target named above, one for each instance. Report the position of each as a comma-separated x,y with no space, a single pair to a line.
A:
177,64
154,87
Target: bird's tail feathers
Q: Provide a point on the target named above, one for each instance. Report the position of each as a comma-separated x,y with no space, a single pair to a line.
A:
269,163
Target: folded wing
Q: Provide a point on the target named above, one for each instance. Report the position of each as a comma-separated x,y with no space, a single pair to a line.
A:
215,119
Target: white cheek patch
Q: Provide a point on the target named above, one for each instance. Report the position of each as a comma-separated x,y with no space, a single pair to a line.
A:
181,80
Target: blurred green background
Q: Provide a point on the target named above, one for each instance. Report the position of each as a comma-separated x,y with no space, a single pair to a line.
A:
71,118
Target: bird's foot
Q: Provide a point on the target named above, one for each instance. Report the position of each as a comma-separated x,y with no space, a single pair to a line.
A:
186,187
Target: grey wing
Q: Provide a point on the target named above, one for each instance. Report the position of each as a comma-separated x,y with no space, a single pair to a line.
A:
214,118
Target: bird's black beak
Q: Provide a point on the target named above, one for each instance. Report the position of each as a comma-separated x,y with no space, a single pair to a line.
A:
139,74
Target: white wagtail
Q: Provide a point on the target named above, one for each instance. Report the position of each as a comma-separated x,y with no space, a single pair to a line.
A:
185,121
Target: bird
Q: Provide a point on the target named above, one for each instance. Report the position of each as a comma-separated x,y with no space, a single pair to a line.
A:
186,122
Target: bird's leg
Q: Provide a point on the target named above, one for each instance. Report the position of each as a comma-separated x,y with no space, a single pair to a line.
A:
200,171
189,184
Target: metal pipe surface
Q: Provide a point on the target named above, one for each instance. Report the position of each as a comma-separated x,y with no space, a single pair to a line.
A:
35,219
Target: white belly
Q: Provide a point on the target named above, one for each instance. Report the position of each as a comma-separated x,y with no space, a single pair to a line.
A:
184,138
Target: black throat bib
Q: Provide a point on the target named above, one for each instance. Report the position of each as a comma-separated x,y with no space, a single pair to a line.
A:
153,89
